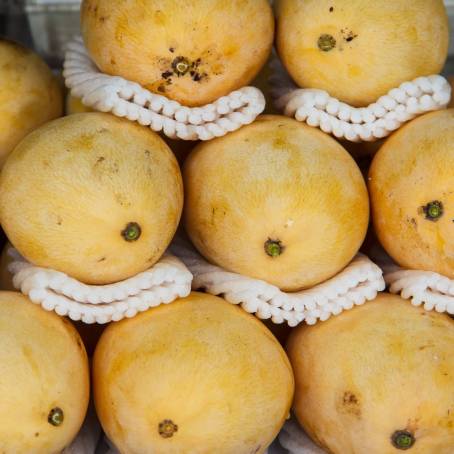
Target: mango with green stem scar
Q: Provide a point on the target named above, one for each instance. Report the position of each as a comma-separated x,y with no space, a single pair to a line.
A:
277,201
411,184
358,50
103,195
191,51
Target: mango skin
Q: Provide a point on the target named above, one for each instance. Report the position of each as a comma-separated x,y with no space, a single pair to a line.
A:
376,369
72,187
30,95
74,105
411,170
43,365
276,179
191,51
213,371
378,44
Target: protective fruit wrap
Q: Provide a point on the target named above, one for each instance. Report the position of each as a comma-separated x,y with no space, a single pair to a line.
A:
128,99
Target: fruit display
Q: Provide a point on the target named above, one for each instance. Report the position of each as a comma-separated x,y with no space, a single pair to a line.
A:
29,95
99,213
276,200
196,51
44,380
193,376
411,183
227,247
384,384
358,50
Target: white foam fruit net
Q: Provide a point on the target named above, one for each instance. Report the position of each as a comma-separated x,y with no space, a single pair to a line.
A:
365,124
166,281
359,282
128,99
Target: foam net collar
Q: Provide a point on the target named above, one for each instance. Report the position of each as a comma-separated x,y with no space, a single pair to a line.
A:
163,283
430,290
366,124
359,282
128,99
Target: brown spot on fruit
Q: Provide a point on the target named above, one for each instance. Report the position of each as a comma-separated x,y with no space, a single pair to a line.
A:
167,428
348,35
326,42
331,9
350,404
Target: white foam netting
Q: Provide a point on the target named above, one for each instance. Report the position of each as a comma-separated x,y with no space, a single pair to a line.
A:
128,99
166,281
358,124
359,282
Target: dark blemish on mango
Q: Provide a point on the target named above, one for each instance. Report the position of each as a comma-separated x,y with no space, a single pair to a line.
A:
279,142
167,428
36,434
113,61
162,88
351,404
171,49
179,67
331,9
102,259
348,35
326,42
423,347
198,77
350,398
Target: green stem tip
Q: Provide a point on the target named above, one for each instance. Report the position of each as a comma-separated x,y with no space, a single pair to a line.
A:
181,66
131,232
56,417
274,248
433,210
326,42
402,439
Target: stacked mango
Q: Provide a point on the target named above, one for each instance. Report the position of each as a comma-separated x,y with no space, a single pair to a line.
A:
101,198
